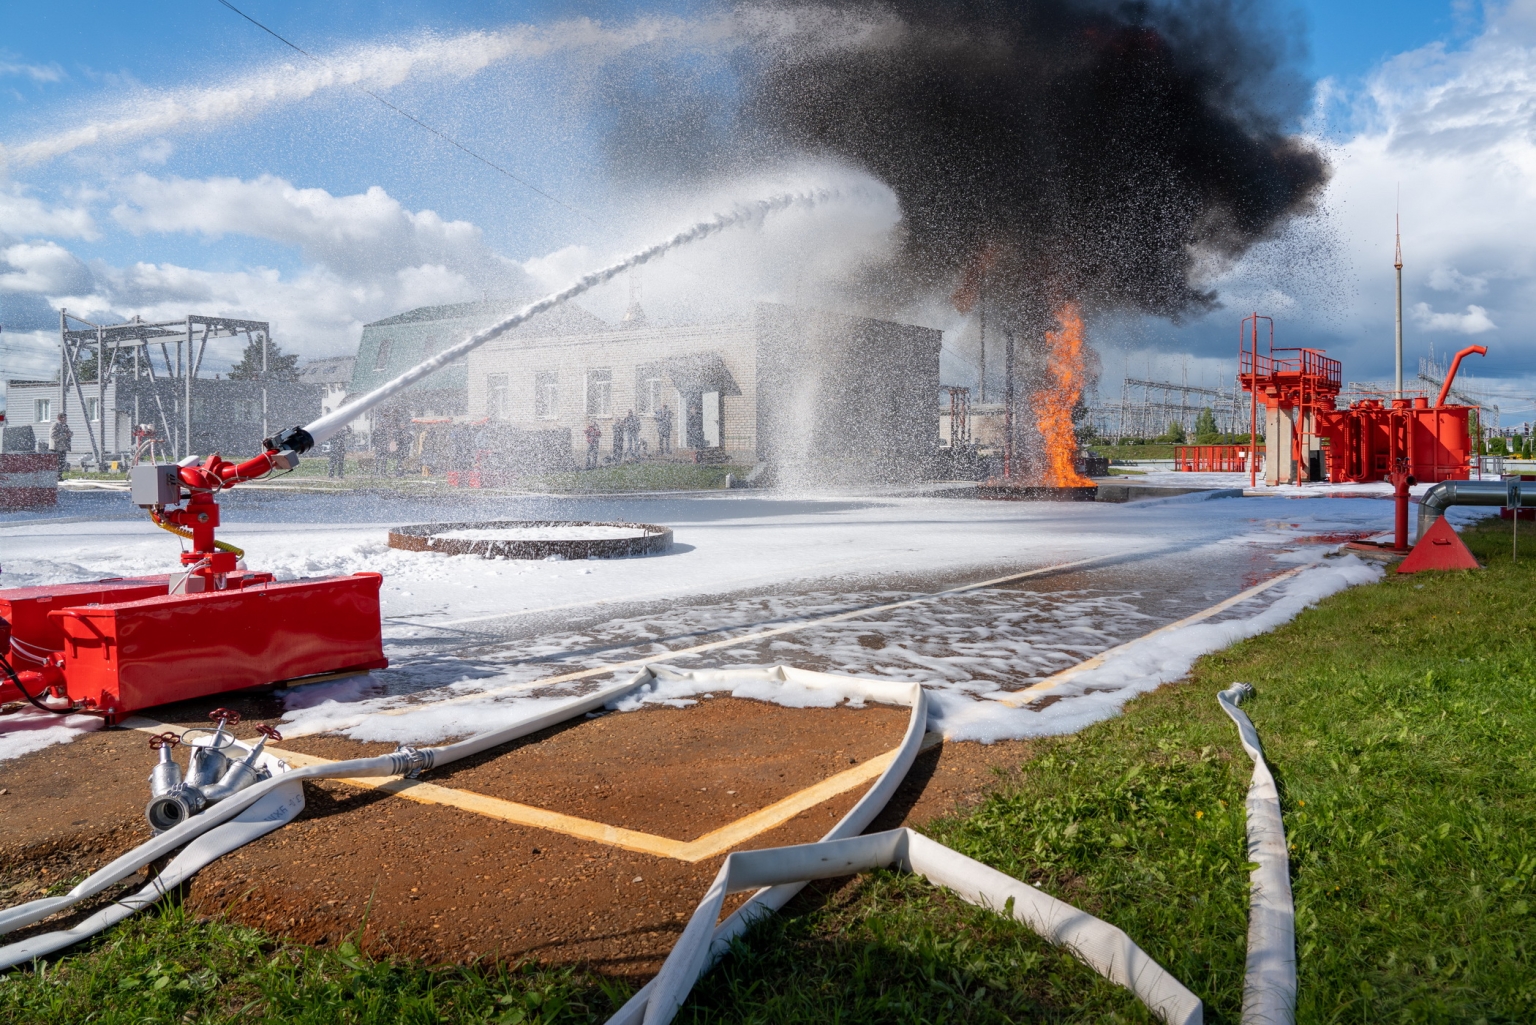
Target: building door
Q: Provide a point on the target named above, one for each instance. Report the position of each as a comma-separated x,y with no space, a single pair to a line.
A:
713,425
693,419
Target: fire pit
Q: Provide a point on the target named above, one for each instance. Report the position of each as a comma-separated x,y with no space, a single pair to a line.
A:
534,539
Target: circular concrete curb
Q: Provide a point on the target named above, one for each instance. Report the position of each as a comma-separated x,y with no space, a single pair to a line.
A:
422,537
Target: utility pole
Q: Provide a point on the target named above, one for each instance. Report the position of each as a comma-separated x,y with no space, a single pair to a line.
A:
1397,262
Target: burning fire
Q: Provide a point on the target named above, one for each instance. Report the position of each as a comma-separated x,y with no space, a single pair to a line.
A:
1054,404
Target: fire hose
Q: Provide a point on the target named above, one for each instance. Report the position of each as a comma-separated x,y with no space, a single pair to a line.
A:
183,532
776,874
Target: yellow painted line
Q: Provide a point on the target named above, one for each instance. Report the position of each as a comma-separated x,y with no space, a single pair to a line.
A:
726,837
707,846
1037,690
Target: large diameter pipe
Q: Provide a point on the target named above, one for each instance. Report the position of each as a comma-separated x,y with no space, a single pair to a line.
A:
302,439
1470,492
1445,389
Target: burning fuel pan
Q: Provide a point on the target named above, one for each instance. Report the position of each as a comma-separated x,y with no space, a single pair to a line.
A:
534,539
1033,493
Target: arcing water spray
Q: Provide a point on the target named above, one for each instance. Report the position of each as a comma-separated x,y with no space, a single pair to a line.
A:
301,439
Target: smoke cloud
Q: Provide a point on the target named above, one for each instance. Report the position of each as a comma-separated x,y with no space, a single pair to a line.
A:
1042,152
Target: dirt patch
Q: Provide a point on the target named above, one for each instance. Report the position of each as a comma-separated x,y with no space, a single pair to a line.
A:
441,884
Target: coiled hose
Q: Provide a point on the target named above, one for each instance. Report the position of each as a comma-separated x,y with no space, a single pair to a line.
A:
183,532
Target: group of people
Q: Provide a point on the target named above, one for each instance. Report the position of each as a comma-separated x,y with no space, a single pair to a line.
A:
626,437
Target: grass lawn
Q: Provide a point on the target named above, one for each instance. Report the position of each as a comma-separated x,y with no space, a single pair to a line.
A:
1397,718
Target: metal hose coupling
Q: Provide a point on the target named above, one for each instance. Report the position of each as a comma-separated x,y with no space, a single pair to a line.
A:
174,807
208,762
409,762
1238,692
243,773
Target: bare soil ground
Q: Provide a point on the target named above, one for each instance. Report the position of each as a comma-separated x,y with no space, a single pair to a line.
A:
442,884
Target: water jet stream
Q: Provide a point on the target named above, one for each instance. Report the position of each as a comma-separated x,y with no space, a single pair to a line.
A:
746,213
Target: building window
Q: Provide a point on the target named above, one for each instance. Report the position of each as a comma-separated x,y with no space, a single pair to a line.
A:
381,359
546,395
599,392
648,394
42,410
498,400
93,409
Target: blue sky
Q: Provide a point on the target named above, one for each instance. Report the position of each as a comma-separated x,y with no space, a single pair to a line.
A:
321,210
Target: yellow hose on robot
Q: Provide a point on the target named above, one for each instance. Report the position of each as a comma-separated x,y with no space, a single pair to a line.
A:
183,532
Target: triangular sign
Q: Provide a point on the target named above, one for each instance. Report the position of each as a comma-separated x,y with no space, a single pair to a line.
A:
1440,548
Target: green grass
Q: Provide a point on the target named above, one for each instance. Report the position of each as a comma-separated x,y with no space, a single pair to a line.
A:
164,967
1398,720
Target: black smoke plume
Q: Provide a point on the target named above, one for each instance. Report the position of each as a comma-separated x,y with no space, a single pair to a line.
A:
1042,151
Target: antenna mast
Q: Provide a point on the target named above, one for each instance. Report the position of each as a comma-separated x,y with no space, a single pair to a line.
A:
1397,262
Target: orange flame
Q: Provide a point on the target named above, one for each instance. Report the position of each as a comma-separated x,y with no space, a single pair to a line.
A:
1054,404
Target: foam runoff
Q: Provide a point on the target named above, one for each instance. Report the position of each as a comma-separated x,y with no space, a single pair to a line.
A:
963,685
742,213
30,730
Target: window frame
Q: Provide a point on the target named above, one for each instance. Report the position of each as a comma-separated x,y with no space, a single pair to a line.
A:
603,377
546,394
42,410
498,396
382,354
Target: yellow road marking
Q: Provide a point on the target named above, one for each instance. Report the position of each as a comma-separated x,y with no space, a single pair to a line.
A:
707,846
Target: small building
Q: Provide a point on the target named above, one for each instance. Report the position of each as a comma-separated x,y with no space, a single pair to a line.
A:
227,416
814,394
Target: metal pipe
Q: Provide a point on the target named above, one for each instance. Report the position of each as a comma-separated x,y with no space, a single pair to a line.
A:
1467,492
1450,375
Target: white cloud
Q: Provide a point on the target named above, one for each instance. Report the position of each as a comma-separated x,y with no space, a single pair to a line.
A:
42,267
39,73
21,214
1473,322
1449,279
359,236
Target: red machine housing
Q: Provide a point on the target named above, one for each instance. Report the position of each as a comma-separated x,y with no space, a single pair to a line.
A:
1364,441
114,646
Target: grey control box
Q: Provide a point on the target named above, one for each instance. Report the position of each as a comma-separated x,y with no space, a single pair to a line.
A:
155,484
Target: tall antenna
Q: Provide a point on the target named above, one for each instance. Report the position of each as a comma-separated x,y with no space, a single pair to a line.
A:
1397,262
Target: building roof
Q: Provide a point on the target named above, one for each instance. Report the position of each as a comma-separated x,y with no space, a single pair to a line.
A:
31,384
328,370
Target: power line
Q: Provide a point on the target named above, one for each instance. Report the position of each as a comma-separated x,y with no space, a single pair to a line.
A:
414,119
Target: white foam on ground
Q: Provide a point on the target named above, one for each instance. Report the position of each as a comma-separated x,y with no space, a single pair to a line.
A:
788,548
30,730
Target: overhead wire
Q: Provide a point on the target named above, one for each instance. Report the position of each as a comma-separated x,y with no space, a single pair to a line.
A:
414,119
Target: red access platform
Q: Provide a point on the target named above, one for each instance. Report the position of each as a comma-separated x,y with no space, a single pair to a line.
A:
125,644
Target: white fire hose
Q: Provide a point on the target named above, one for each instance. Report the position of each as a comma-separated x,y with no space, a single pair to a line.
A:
777,874
1269,986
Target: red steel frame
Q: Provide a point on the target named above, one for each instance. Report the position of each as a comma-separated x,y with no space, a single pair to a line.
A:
1307,382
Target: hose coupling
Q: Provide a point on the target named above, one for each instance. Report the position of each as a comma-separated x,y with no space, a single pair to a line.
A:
174,807
410,762
1239,692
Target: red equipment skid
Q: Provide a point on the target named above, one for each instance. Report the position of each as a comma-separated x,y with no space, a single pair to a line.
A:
114,646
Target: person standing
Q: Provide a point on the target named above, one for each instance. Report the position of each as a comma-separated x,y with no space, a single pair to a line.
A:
630,430
59,439
594,435
664,430
337,466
